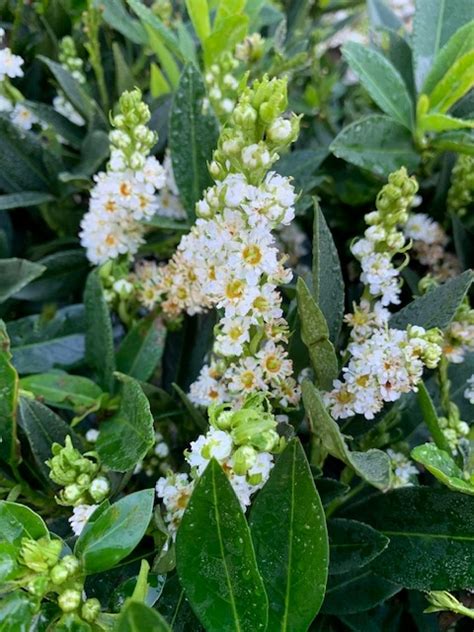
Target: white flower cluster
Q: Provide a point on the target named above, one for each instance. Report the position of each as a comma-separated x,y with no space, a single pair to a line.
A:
74,64
241,441
383,366
383,240
10,68
469,392
429,246
459,337
222,85
80,516
125,194
404,470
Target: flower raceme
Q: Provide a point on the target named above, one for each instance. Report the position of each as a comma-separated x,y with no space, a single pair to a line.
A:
230,259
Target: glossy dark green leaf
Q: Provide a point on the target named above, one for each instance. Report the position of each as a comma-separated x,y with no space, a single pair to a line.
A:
116,532
431,534
15,274
8,400
458,45
193,137
315,335
292,549
136,617
174,606
353,545
434,23
142,348
11,201
382,81
16,612
376,143
443,467
126,437
329,489
437,307
99,335
357,591
18,521
463,240
196,415
61,390
44,341
216,560
328,284
42,428
373,465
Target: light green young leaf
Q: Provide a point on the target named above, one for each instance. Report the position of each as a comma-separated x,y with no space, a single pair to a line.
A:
382,81
454,85
435,122
99,335
15,274
227,9
158,83
377,143
18,521
192,138
124,79
443,467
328,284
231,31
372,466
198,11
216,561
292,552
8,401
164,56
437,307
315,335
126,437
459,44
433,25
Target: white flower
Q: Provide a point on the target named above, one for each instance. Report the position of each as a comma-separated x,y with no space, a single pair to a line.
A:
80,516
175,491
280,130
10,64
5,104
92,435
64,107
22,117
469,392
404,470
162,450
215,444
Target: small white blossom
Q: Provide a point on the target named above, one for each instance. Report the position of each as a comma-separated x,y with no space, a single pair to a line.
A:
80,516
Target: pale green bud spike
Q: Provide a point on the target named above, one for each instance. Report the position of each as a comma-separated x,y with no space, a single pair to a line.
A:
39,555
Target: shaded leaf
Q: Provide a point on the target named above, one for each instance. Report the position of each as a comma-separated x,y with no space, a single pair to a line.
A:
216,561
136,617
292,554
8,401
114,13
15,274
353,545
142,348
11,201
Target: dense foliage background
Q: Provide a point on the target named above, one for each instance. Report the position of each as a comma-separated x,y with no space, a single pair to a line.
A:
318,472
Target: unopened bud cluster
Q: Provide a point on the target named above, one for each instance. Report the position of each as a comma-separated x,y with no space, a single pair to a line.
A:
80,475
71,62
243,441
250,49
461,191
222,85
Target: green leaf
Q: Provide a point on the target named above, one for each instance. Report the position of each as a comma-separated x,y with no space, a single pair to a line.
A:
227,9
72,623
136,617
463,239
166,59
114,13
193,137
126,437
124,79
216,560
18,521
381,16
15,274
328,284
42,428
443,467
25,199
434,23
158,82
116,532
94,150
197,417
458,45
71,133
430,417
376,143
8,401
44,341
437,307
72,392
353,545
99,335
175,607
231,31
372,466
357,591
142,348
382,81
292,552
461,141
454,85
315,335
434,122
9,565
431,534
198,11
16,611
147,17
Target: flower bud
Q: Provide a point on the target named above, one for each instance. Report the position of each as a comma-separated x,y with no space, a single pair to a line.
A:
69,600
38,586
90,610
58,574
243,459
39,555
99,489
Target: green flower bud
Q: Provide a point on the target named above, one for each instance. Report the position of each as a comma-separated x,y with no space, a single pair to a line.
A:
71,564
71,494
243,459
38,586
58,574
39,555
99,489
69,600
90,610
